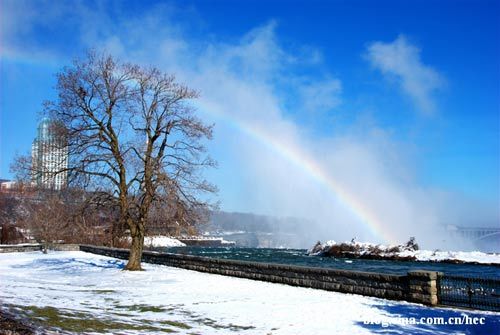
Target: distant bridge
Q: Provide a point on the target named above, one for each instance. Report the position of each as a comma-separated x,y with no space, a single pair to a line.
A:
475,233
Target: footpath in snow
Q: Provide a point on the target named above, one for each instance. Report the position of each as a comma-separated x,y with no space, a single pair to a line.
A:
79,292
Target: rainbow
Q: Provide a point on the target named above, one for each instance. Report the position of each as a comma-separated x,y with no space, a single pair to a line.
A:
313,170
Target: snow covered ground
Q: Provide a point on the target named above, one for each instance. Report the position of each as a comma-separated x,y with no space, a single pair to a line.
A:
84,293
424,255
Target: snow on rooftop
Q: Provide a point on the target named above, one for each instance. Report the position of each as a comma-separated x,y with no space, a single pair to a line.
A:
82,287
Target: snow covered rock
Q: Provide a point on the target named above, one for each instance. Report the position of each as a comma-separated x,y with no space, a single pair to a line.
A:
406,252
162,241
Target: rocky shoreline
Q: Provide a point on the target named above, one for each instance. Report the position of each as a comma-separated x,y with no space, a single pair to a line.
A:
408,252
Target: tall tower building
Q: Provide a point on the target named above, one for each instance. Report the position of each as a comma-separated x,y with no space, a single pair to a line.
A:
49,154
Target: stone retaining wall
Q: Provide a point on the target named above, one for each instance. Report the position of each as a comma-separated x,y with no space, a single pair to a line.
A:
422,287
20,248
416,286
64,247
37,247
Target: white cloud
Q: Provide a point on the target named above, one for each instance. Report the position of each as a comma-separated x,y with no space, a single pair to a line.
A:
257,55
17,18
401,60
321,95
19,21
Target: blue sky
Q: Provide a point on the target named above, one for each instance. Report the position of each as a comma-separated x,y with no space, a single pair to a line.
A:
407,89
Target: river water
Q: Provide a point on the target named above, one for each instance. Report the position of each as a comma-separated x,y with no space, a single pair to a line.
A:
299,257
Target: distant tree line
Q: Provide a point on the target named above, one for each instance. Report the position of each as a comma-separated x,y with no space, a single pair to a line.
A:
34,214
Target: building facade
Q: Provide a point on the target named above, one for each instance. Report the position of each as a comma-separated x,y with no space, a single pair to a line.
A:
49,154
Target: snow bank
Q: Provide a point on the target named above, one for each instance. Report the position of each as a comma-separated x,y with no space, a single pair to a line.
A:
159,241
89,288
370,250
162,241
463,256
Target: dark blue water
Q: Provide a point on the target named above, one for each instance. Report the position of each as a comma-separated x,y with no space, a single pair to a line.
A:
299,257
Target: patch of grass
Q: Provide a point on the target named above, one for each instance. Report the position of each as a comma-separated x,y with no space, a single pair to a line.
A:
200,320
214,324
121,314
109,299
144,308
79,322
98,291
102,291
237,327
175,324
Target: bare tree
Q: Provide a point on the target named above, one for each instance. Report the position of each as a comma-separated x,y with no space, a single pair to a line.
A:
9,216
170,213
46,217
13,213
96,221
131,133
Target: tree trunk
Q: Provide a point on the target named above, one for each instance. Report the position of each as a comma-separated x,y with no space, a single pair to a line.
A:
134,259
4,237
